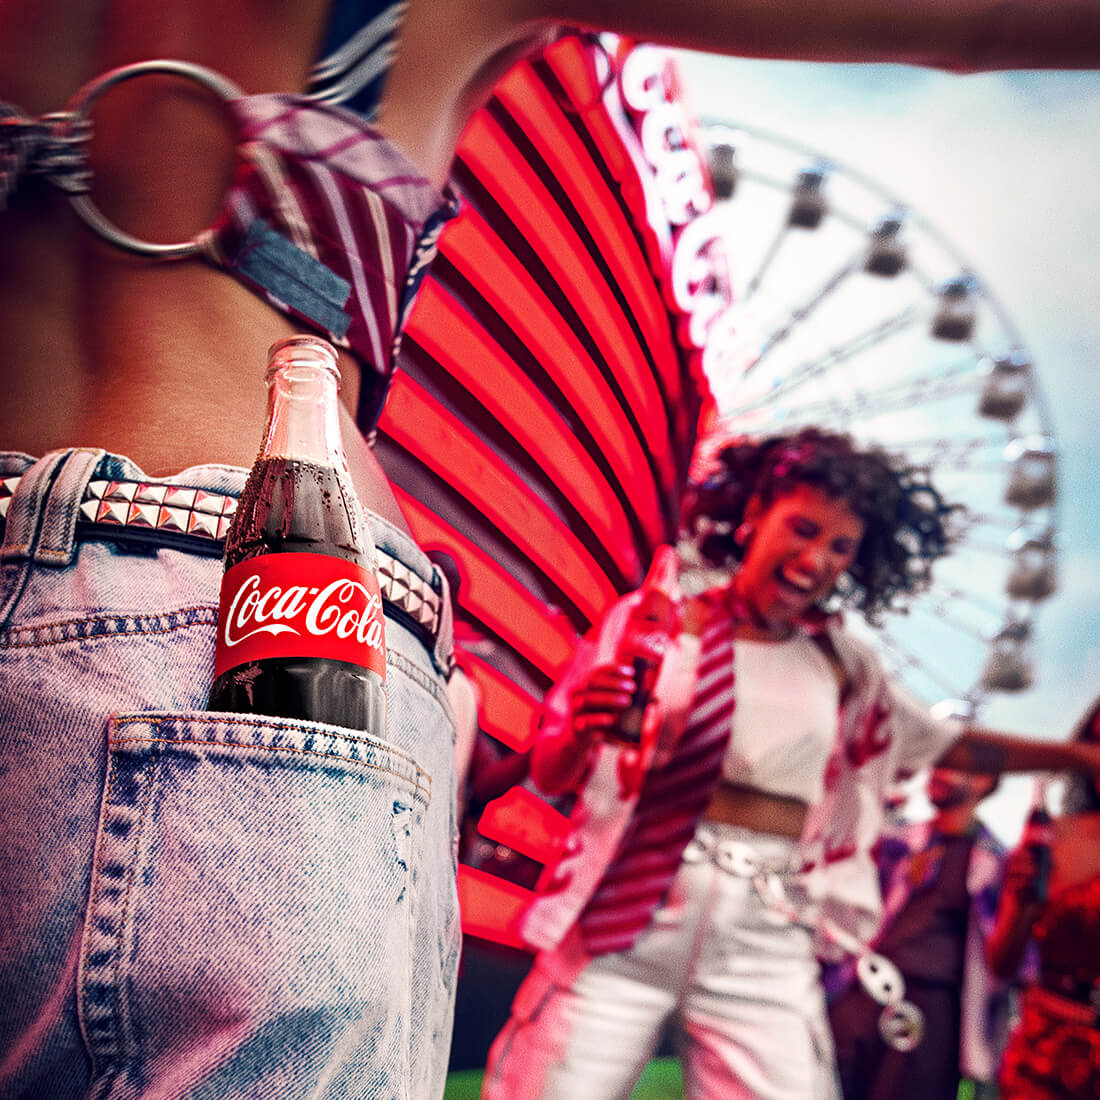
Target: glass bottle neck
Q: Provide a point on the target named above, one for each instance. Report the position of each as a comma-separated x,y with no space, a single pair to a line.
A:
303,419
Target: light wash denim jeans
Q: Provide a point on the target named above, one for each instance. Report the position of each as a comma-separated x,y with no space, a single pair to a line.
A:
203,905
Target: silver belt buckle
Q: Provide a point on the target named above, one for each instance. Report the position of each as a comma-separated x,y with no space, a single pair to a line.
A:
738,859
700,847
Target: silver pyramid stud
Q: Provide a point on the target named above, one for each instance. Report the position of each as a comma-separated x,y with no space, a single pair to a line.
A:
113,511
203,523
173,519
176,497
121,490
142,515
150,494
208,502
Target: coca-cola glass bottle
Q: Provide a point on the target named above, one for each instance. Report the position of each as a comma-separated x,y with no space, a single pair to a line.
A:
1039,836
301,632
649,629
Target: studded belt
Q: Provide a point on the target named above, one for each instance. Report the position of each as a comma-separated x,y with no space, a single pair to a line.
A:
157,514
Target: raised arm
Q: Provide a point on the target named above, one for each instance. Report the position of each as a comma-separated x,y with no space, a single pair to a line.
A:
1017,911
957,35
580,709
453,52
982,750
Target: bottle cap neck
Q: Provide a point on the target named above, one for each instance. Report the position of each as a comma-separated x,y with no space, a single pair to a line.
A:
303,421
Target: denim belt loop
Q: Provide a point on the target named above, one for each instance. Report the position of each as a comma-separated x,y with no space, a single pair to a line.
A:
25,511
57,538
443,656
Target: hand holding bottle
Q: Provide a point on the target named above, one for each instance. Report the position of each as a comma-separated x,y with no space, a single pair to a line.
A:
650,627
599,703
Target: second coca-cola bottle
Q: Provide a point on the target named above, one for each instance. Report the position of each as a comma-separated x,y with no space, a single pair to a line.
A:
649,629
1039,836
301,632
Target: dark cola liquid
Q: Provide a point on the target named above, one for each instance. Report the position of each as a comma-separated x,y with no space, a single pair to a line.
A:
290,506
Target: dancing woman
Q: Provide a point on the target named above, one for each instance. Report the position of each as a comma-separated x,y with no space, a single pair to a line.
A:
687,900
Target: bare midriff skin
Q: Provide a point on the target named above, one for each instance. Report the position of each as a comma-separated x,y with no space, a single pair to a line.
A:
762,811
163,362
757,810
160,361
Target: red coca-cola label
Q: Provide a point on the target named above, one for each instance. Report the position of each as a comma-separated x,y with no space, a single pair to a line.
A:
300,605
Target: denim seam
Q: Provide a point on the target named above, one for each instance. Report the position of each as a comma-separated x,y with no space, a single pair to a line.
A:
93,905
120,914
150,773
265,722
68,630
415,672
425,789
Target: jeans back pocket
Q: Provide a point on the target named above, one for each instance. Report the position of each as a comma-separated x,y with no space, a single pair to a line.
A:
248,928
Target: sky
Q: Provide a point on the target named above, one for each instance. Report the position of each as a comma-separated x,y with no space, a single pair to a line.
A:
1003,168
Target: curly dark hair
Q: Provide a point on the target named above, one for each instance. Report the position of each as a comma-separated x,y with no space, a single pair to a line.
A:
905,519
1081,795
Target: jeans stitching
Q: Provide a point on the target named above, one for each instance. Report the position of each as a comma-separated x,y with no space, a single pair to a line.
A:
84,629
265,722
103,843
414,672
425,788
144,816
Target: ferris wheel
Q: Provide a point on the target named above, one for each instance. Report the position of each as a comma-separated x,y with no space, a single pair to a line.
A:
856,313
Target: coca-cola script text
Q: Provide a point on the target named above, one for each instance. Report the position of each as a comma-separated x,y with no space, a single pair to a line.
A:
300,605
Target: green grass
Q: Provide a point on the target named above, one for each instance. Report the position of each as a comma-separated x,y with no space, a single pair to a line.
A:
660,1081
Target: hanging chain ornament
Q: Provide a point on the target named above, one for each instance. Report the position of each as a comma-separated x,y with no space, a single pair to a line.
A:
901,1023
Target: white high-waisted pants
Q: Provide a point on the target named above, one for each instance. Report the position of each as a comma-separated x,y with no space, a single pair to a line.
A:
740,977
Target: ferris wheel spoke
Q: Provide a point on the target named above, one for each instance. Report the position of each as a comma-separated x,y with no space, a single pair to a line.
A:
861,402
969,452
771,252
945,600
858,344
974,520
801,313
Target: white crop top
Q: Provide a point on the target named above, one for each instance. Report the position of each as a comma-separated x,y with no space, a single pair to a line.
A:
785,719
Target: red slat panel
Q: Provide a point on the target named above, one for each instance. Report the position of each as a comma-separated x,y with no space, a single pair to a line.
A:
525,822
507,712
415,421
494,379
491,906
493,595
524,198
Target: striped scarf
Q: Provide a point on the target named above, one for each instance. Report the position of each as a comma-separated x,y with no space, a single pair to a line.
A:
670,803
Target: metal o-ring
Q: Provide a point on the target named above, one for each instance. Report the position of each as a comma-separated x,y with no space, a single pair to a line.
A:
80,107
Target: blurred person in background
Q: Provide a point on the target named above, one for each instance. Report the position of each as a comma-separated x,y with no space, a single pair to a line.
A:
692,892
940,882
1052,899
